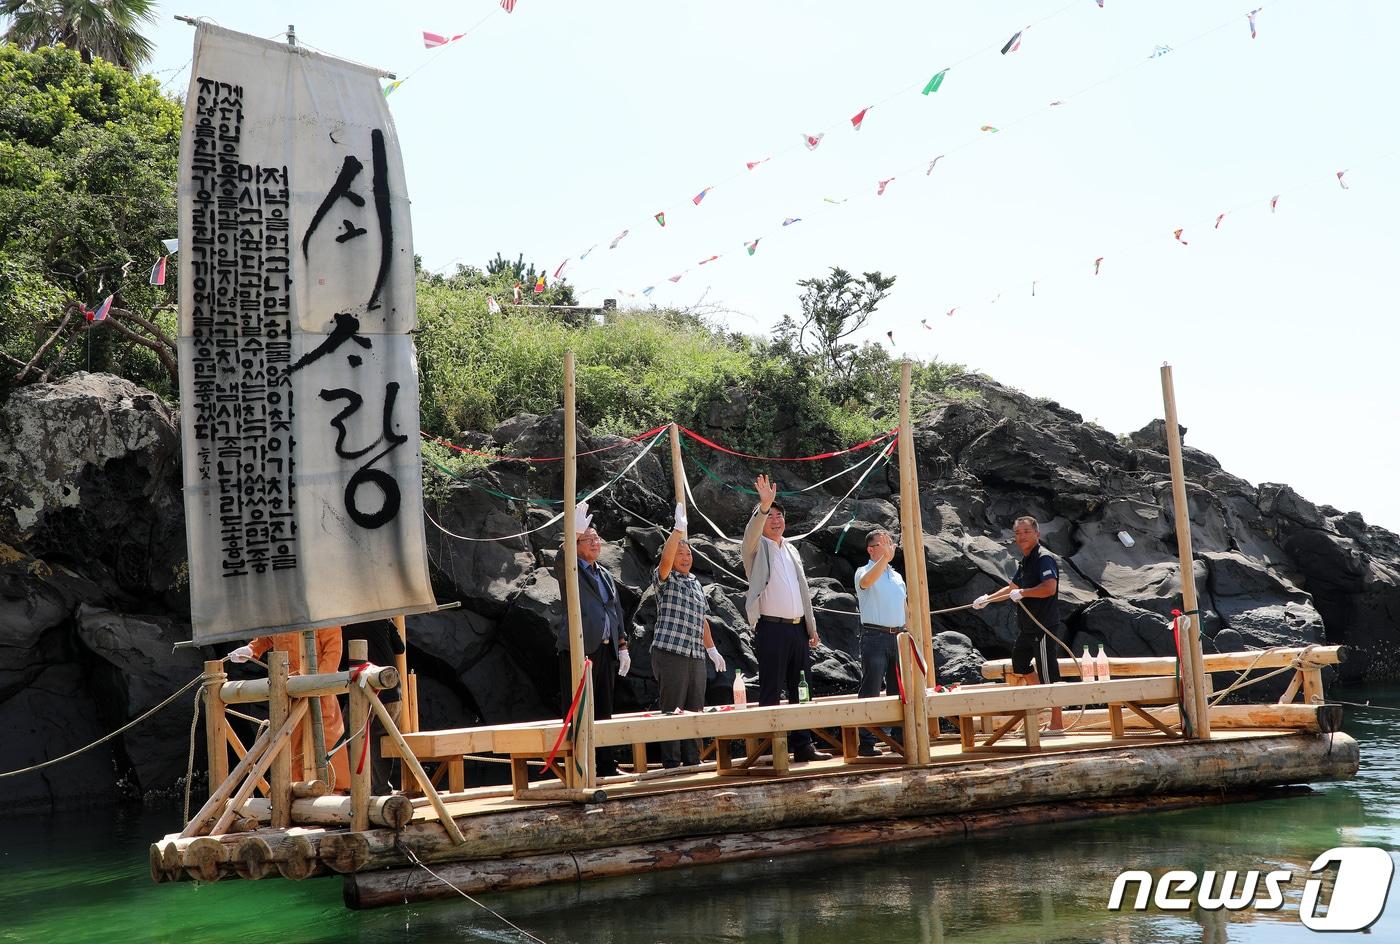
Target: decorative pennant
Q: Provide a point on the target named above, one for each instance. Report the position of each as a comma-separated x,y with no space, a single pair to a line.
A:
434,40
700,196
1097,262
752,164
991,129
1033,285
710,259
391,87
539,285
813,140
172,246
508,5
924,322
792,219
1273,203
753,246
934,163
1159,51
834,200
493,306
100,314
880,188
676,278
661,218
859,117
560,271
1340,179
1014,43
585,255
1056,102
1177,234
617,239
158,272
951,310
648,290
935,82
890,335
1100,3
1253,27
1218,219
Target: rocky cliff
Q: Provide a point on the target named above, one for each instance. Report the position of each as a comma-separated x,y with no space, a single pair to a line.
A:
93,594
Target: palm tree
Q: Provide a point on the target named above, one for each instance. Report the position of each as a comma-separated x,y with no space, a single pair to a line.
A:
109,29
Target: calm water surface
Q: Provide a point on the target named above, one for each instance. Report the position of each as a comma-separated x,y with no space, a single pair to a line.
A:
85,879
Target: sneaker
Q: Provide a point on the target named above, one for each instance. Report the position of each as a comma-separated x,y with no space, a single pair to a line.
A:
868,750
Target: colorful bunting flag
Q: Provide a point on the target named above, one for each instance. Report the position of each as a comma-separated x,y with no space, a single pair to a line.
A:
539,285
617,239
585,255
990,128
560,271
813,140
880,188
1014,43
753,246
711,259
890,335
1100,3
700,196
1341,181
933,163
100,314
493,306
935,82
1159,51
792,219
508,5
1273,203
389,89
1033,285
951,310
434,40
1097,262
752,164
158,272
1218,219
1177,234
834,200
172,246
1253,29
924,322
1056,102
660,218
648,290
859,117
676,278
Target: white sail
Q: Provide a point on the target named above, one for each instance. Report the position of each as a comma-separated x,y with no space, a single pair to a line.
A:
298,379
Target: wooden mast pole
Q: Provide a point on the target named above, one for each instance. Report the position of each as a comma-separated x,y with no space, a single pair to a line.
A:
677,470
279,708
1192,660
317,725
583,740
215,724
408,711
915,573
359,733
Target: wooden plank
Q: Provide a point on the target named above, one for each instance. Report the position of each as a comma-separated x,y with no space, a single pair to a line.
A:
252,691
279,750
1123,667
639,757
1312,686
241,753
1032,730
1005,728
456,775
416,769
1115,720
1137,710
781,758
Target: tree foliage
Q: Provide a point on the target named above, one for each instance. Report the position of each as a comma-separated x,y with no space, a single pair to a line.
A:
88,161
95,29
833,309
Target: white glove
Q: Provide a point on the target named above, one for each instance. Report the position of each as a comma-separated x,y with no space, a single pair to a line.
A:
624,662
241,654
582,519
980,602
716,658
1015,595
681,520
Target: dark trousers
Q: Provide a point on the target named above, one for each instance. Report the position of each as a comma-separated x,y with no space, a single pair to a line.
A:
604,677
682,681
879,667
783,655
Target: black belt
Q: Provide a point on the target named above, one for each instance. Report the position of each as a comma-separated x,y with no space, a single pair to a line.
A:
783,619
883,629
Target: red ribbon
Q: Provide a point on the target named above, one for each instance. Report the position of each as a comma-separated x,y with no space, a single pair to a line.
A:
573,707
821,455
491,455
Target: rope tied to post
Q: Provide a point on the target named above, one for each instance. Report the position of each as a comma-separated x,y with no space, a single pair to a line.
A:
568,727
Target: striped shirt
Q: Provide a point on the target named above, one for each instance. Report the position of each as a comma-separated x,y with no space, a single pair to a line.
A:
680,614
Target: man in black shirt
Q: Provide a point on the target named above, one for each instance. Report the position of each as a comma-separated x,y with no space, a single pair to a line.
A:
1036,587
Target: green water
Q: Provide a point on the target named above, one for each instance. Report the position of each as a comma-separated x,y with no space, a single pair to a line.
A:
72,881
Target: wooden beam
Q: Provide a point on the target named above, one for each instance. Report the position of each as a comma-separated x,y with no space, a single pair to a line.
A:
306,686
408,718
916,748
416,769
279,708
1124,666
215,724
583,740
359,742
216,800
241,752
279,751
1264,717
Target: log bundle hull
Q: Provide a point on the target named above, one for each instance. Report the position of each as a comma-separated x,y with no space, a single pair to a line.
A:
718,821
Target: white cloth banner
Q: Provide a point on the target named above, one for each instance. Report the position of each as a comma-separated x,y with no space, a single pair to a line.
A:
298,378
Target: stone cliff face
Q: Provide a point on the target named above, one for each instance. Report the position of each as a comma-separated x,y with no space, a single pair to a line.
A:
93,595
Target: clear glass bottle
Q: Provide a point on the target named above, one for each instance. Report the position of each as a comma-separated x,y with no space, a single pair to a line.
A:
741,694
1101,665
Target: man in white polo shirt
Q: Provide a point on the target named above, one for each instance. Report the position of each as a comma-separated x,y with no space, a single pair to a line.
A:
880,595
779,608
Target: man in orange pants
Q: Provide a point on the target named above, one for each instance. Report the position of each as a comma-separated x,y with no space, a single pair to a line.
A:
328,647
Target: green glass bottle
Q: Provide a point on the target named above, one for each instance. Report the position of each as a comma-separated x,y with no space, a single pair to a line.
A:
804,694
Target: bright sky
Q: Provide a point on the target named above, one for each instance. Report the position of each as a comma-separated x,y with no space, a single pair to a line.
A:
554,128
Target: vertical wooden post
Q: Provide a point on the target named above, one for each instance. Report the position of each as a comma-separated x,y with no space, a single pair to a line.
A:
215,724
677,470
316,759
920,623
278,708
1192,661
358,715
408,718
916,749
583,740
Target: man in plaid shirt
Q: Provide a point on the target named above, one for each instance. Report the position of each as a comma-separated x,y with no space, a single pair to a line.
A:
682,639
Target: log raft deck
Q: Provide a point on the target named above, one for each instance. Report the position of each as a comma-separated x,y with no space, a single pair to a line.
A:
1155,743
